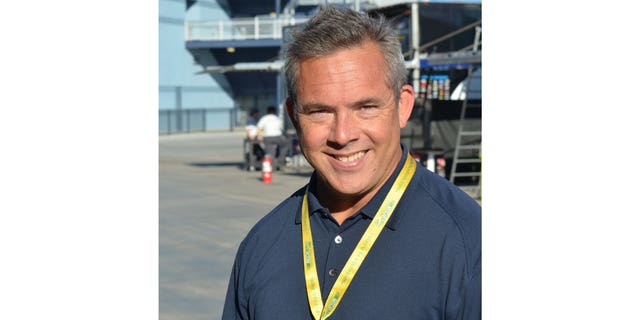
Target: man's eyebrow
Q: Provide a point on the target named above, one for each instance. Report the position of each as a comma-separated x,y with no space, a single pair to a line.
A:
366,101
361,102
310,106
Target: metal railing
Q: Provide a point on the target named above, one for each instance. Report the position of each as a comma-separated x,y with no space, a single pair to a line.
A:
424,47
196,120
353,4
270,27
257,28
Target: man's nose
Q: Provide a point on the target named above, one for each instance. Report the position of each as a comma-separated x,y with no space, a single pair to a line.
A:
345,128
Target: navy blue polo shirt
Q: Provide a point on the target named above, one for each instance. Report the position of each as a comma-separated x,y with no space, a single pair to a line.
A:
424,265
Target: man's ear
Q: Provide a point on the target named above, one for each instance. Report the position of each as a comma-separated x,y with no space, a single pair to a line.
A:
405,106
291,112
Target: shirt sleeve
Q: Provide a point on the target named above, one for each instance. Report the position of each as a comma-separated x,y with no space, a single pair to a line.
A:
235,305
471,300
463,263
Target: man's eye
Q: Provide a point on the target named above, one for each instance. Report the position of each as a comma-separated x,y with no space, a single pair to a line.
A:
318,111
369,108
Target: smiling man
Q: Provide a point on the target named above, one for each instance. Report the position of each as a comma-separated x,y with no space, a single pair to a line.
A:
349,124
373,235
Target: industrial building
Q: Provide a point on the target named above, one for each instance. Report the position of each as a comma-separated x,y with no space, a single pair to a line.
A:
196,35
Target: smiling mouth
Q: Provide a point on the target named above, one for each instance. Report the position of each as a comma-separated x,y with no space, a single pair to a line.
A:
350,158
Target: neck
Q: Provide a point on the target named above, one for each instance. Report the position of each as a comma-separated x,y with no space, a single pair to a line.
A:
340,205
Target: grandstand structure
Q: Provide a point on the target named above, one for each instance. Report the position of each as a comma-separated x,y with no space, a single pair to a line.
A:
219,59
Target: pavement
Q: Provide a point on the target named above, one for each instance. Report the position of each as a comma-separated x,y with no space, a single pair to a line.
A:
207,204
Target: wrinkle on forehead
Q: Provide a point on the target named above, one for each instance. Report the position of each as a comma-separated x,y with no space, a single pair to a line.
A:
355,74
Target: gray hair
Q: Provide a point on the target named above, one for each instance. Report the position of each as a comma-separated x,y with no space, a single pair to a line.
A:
334,28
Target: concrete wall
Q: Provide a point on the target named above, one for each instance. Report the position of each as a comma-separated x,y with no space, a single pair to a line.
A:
180,87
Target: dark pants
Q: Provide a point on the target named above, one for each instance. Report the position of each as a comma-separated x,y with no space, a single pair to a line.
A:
273,144
253,153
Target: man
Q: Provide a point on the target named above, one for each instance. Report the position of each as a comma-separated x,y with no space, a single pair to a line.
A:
373,235
251,128
271,131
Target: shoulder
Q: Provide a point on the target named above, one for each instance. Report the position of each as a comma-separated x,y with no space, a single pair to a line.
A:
271,227
448,210
448,198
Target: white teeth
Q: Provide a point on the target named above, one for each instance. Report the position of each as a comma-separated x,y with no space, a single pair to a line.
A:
351,157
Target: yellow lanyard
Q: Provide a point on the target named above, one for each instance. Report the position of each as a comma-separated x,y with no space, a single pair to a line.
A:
320,311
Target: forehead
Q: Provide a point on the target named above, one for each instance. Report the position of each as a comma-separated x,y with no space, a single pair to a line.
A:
359,70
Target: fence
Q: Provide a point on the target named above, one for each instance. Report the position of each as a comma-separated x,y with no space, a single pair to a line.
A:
196,120
267,26
239,29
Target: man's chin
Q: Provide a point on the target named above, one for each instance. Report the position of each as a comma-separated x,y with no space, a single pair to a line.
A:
345,186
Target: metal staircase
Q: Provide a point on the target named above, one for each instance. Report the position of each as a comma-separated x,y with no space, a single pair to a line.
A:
466,163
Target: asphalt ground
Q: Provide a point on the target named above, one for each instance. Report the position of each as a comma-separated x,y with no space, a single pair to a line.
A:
207,204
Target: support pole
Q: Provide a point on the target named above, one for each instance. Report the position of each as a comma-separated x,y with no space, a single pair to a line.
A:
415,45
178,97
280,97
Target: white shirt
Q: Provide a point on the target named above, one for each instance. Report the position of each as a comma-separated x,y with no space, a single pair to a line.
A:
252,131
271,125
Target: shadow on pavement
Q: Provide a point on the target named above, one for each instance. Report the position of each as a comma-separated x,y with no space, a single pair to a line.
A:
239,165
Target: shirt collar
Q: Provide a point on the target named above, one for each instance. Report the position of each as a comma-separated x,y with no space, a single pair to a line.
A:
371,207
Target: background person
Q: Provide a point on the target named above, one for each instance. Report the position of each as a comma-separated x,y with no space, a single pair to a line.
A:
251,127
348,100
271,130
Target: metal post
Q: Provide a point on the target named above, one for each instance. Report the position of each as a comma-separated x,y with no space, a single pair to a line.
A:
426,124
476,38
204,120
415,45
187,30
178,95
277,28
188,120
256,28
279,95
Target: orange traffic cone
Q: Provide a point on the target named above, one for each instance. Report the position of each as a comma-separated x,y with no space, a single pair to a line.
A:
266,169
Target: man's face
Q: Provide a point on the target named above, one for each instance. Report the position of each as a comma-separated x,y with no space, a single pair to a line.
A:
349,120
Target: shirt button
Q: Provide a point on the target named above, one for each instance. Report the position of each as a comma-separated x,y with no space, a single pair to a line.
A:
338,239
333,272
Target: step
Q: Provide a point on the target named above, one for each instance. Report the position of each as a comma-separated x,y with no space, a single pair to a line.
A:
470,147
468,161
467,174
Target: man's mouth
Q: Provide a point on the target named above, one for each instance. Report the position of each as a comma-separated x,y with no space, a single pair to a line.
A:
352,157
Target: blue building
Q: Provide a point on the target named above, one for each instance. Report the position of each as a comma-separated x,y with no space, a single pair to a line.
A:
219,59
